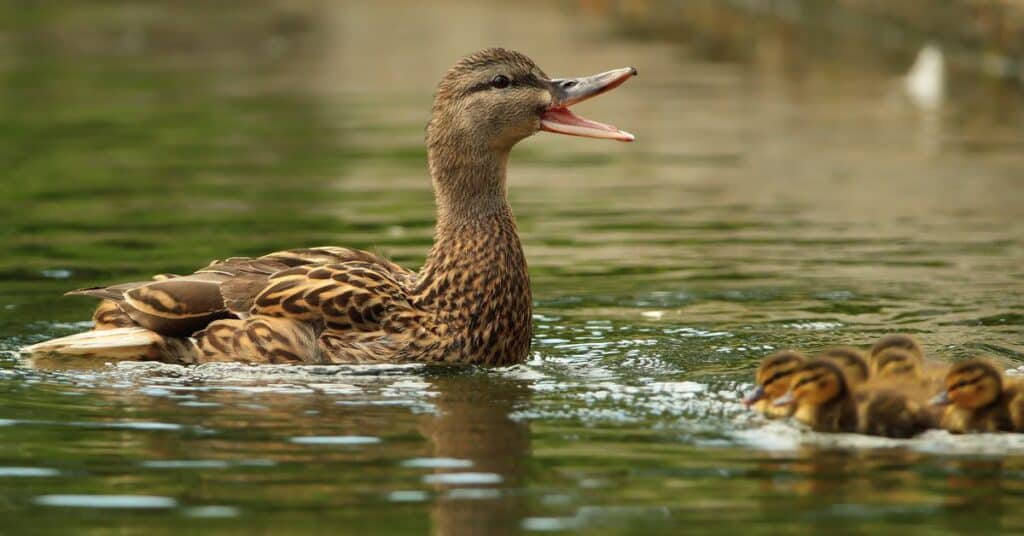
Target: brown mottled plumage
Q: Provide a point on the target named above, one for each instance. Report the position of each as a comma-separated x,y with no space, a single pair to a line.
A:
977,398
470,303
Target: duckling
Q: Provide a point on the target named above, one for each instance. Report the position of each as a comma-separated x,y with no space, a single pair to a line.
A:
907,370
772,381
825,402
822,397
469,304
893,361
977,398
893,412
851,360
894,340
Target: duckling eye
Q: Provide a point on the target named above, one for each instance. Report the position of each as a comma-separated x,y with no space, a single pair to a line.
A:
500,81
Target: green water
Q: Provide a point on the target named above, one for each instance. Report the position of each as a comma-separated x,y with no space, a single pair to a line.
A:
773,199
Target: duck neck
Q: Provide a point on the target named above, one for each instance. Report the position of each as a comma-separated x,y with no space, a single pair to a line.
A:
475,279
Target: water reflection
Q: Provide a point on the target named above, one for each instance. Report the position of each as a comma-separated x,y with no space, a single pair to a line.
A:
474,422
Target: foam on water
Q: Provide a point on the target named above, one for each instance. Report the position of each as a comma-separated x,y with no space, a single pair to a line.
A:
27,472
335,440
107,501
438,463
463,479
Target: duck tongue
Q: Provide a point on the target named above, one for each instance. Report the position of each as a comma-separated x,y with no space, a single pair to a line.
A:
563,121
566,92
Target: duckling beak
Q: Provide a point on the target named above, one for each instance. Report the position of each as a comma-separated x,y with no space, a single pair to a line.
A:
569,91
755,396
941,399
785,400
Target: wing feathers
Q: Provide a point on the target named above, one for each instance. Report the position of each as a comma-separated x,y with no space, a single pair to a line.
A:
334,288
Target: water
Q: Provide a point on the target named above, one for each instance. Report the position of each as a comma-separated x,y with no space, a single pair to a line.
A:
774,199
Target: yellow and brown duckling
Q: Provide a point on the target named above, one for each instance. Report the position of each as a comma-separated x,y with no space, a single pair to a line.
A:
825,402
469,304
899,341
892,362
977,398
851,360
821,397
773,377
907,369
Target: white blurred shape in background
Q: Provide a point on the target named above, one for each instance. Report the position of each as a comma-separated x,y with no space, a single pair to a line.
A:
925,84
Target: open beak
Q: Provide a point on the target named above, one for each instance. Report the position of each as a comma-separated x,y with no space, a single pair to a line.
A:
755,396
941,399
785,400
569,91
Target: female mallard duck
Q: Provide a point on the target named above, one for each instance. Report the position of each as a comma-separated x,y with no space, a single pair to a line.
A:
470,303
851,361
825,402
978,399
772,381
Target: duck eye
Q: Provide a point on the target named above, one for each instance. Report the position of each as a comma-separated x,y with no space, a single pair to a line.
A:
500,81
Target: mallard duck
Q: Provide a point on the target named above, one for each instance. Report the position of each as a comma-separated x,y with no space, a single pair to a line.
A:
977,398
825,402
851,360
773,376
469,304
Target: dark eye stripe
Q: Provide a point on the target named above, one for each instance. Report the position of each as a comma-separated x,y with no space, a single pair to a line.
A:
964,383
529,81
805,381
778,375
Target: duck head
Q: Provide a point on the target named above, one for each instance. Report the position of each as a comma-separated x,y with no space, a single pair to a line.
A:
774,375
816,383
971,384
496,97
485,104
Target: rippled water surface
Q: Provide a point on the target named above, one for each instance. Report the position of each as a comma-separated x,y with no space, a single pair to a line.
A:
781,193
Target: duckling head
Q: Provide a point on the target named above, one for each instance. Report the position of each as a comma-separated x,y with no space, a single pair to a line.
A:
773,376
971,384
494,98
817,382
851,360
893,361
896,340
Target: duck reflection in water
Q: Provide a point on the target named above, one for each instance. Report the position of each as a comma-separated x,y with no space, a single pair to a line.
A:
473,422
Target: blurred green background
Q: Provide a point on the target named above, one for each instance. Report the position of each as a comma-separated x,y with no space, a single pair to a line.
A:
806,173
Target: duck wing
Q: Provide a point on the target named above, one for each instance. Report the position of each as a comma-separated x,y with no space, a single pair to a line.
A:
179,306
352,311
